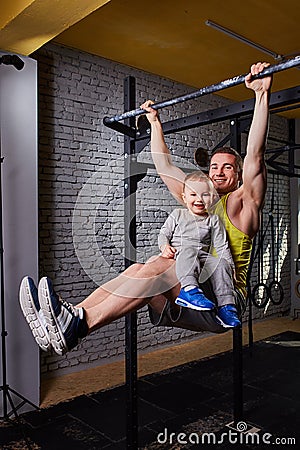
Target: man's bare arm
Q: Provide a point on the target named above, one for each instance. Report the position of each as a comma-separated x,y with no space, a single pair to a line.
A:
170,174
254,173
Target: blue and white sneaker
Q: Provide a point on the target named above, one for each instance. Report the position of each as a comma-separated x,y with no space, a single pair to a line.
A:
227,316
31,308
194,299
66,324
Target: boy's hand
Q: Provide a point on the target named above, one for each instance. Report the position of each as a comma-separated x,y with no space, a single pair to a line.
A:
167,251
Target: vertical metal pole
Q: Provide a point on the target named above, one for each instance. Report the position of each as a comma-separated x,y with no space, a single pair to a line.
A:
237,374
3,330
235,142
250,327
250,307
235,135
130,186
292,138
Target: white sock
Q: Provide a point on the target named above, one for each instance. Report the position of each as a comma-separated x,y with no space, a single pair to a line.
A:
189,287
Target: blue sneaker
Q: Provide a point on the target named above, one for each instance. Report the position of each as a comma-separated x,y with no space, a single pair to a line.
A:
66,324
194,299
31,308
227,316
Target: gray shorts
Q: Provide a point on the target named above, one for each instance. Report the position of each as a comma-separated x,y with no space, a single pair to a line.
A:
188,318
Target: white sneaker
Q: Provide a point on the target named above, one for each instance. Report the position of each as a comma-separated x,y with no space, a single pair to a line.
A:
66,324
31,308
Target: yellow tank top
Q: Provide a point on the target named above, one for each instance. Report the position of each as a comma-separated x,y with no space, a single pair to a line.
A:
240,244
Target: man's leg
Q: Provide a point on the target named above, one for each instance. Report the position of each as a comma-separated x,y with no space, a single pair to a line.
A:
102,292
130,293
31,308
68,324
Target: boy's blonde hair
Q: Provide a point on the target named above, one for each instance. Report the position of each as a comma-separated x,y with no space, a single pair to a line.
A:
198,175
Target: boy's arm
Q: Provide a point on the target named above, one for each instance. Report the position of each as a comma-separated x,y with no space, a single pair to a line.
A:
165,236
171,175
166,231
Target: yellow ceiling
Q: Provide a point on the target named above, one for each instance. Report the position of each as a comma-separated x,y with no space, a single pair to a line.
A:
165,37
26,25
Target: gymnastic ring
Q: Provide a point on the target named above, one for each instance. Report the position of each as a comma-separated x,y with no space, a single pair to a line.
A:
297,291
254,301
276,285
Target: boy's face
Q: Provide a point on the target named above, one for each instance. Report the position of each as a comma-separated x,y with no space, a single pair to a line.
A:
197,196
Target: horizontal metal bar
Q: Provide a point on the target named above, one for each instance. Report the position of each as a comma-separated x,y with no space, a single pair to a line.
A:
287,108
280,169
280,141
281,150
141,168
288,174
295,166
240,109
124,129
207,90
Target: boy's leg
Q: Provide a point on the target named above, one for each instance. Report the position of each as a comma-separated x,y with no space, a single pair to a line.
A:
221,280
187,271
187,266
219,272
165,313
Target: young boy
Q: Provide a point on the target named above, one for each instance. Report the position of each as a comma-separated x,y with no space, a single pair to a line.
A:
188,235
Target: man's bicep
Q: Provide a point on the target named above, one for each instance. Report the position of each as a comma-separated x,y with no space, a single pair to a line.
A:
254,180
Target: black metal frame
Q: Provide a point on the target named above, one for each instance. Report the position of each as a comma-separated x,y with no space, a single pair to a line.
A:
134,142
130,187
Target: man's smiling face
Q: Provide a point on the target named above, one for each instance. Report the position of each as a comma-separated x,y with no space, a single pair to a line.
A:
224,173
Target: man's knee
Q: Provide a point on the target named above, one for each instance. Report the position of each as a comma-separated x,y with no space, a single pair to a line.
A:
133,269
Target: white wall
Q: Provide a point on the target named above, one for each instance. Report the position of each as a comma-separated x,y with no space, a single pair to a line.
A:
18,118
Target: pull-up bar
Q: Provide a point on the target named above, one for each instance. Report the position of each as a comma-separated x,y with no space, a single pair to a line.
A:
288,64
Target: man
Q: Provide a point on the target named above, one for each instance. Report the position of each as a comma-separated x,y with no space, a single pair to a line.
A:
61,325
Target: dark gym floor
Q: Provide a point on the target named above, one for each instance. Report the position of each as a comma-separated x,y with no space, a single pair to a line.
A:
194,398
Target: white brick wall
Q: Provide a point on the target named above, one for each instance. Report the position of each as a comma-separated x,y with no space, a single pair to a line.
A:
81,160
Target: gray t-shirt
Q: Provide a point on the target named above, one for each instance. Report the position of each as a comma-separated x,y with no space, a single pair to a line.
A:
183,228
